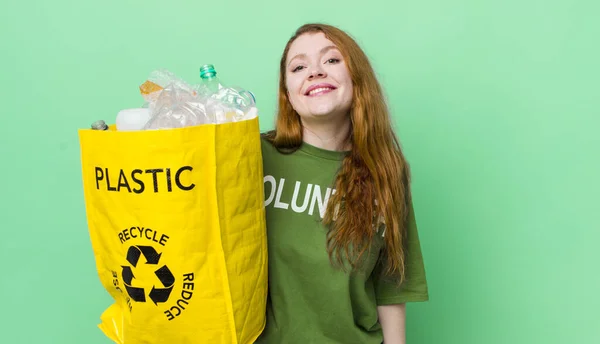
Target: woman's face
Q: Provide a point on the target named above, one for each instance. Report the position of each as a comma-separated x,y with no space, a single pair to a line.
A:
317,79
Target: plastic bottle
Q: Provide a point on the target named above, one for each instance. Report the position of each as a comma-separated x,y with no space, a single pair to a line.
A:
210,82
228,103
99,125
213,84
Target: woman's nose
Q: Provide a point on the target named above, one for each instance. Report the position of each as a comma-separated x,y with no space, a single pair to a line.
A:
317,73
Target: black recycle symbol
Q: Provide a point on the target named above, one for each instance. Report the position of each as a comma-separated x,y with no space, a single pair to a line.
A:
163,274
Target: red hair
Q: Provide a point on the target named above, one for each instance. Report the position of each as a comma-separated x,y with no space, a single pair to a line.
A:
374,178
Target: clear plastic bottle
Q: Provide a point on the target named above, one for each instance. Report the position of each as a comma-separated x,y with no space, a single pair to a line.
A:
210,82
213,84
226,103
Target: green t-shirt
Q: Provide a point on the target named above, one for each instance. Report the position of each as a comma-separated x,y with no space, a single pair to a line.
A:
311,301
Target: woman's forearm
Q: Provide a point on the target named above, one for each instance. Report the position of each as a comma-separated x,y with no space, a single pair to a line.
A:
393,323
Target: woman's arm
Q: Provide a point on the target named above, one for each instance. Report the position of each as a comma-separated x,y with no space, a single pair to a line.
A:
393,323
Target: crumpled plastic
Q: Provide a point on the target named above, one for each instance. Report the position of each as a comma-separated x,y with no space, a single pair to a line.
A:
173,103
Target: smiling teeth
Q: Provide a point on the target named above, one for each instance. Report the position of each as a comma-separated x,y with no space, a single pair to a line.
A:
319,90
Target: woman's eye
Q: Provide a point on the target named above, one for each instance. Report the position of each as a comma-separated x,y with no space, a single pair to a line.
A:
333,60
297,69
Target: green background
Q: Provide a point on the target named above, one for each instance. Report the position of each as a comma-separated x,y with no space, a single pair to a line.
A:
496,104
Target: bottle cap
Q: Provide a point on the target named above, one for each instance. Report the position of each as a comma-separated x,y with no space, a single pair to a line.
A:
99,125
207,70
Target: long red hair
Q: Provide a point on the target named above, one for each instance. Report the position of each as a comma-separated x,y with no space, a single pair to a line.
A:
374,179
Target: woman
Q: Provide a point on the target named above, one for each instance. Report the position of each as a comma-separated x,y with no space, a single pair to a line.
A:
344,254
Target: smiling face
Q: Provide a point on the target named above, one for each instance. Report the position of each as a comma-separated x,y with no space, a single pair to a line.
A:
317,79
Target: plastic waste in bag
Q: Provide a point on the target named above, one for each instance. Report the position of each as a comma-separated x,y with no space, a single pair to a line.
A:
170,102
179,239
179,104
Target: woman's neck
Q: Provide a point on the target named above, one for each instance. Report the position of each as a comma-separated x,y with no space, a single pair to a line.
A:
327,134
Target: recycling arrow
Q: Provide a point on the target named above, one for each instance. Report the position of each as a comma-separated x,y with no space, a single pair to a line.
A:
127,275
160,294
134,253
165,276
136,294
168,280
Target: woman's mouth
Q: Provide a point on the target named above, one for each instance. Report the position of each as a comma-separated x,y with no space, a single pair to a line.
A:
320,89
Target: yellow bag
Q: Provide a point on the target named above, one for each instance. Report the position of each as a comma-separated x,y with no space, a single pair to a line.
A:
177,225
